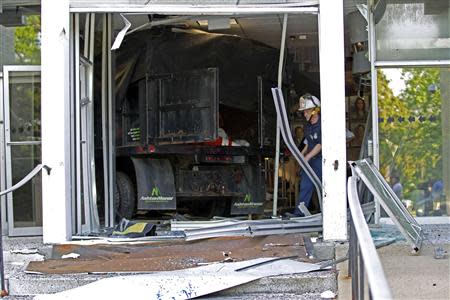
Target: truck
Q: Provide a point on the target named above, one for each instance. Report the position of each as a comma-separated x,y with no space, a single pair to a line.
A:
195,123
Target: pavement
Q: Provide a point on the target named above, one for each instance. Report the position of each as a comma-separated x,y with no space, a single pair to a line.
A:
410,276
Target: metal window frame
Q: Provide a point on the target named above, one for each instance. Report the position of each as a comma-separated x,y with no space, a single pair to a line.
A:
209,9
79,225
412,63
278,133
84,138
2,161
76,50
111,124
14,231
375,65
107,123
73,171
392,204
108,116
374,96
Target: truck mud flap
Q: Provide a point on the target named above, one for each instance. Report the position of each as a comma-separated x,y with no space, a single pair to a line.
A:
289,141
155,184
252,187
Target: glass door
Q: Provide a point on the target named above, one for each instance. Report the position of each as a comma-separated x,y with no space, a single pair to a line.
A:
22,112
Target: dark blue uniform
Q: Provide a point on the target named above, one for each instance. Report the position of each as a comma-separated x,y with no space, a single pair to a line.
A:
313,136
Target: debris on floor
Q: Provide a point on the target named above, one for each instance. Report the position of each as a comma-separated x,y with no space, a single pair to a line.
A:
70,255
167,256
439,253
184,284
328,295
25,251
133,229
227,228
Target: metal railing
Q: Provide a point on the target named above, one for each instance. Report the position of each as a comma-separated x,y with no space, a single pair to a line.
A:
363,256
27,178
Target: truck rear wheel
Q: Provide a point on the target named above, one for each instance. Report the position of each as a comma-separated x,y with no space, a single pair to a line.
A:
124,198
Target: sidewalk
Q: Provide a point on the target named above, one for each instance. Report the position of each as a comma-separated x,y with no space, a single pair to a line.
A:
410,276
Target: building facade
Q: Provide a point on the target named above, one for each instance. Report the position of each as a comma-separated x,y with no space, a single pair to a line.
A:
405,51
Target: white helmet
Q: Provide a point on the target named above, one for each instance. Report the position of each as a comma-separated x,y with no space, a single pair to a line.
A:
308,101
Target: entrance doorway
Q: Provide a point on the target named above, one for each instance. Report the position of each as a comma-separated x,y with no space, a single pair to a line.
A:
22,125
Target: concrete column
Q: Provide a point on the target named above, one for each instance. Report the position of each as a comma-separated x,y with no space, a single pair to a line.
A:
332,93
55,109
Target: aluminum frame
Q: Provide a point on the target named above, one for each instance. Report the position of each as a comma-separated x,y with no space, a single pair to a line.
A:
412,63
182,10
294,8
105,120
395,209
4,224
12,230
90,143
73,173
287,137
87,147
257,228
83,118
77,122
375,65
111,125
277,136
374,92
84,135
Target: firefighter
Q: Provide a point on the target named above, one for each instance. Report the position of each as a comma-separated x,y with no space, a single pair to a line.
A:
312,150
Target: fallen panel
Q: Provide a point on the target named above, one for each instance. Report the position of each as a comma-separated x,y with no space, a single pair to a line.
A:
378,186
195,230
166,257
183,284
257,228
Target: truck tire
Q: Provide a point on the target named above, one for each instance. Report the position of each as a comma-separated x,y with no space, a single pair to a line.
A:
124,198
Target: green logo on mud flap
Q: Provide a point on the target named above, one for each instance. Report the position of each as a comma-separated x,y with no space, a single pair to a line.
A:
156,192
155,196
247,202
248,198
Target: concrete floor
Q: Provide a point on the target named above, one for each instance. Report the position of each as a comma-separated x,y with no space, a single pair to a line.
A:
22,285
410,276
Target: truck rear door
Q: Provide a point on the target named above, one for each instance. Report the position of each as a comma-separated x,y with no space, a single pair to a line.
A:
183,107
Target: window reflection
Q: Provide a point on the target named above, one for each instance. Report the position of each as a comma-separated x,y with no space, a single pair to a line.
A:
415,30
414,122
25,106
20,44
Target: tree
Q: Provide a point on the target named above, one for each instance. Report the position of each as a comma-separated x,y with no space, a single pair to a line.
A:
27,43
410,130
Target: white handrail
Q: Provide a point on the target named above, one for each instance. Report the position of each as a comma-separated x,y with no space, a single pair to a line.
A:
372,264
27,178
